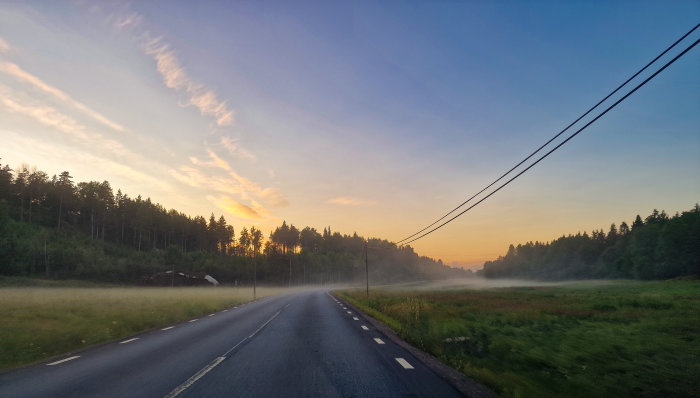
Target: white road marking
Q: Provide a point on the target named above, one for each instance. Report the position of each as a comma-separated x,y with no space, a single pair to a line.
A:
364,327
194,320
226,310
194,378
182,387
129,341
211,314
168,328
356,318
349,312
63,360
378,340
404,363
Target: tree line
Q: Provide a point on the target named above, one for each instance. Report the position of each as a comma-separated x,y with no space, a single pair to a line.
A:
52,226
657,247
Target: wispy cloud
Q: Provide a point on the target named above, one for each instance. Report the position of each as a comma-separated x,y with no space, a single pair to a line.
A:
50,116
233,182
218,161
123,22
232,146
228,184
351,201
175,77
4,47
238,209
42,113
24,76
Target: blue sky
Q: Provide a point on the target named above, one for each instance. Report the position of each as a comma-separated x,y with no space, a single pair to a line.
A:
370,117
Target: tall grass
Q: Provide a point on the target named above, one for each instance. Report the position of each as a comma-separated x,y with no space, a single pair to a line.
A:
610,340
40,322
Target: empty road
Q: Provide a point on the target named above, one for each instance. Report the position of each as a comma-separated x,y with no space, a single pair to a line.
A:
293,345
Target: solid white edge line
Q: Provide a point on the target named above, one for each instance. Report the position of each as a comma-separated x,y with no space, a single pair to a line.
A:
364,327
128,341
211,314
404,363
194,320
182,387
168,328
378,340
63,360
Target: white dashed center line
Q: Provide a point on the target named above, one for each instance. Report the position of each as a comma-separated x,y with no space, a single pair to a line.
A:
226,310
364,327
194,320
62,360
211,314
196,377
404,363
349,312
168,328
378,340
129,341
356,318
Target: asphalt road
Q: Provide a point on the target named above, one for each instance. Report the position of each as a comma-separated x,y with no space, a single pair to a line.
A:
303,344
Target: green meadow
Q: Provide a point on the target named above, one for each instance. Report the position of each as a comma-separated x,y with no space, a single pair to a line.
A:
46,320
607,339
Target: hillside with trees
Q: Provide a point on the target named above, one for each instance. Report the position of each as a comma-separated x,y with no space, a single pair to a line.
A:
657,247
53,227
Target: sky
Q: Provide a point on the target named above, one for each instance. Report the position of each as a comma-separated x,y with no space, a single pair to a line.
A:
374,117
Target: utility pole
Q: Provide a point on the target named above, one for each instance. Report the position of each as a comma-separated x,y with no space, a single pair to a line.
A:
366,270
290,270
255,276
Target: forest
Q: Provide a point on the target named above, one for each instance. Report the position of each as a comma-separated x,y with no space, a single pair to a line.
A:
657,247
51,227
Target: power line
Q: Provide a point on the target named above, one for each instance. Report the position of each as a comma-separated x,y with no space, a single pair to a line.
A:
556,136
560,144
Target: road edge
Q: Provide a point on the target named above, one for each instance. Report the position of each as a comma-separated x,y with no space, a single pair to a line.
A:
465,385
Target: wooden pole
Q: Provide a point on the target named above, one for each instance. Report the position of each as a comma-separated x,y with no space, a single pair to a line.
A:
366,270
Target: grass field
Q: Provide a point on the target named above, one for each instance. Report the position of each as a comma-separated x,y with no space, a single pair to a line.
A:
41,322
613,339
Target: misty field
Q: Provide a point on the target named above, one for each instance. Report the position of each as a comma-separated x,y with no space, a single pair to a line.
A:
611,339
41,322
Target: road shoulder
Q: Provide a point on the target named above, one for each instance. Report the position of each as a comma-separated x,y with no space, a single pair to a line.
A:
465,385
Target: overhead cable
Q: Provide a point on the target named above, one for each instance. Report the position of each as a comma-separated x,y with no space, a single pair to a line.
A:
556,136
559,145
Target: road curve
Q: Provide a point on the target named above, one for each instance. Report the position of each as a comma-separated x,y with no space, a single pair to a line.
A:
302,344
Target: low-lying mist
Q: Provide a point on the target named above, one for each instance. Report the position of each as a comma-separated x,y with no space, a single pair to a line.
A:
476,283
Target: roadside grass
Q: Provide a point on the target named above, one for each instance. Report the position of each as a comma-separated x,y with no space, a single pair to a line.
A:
626,338
42,322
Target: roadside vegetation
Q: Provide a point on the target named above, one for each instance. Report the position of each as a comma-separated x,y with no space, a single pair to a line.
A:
40,322
656,247
609,339
53,228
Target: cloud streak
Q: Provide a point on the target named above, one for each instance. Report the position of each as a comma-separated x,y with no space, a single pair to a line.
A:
25,77
4,47
351,201
255,212
124,22
232,183
66,124
231,145
175,77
